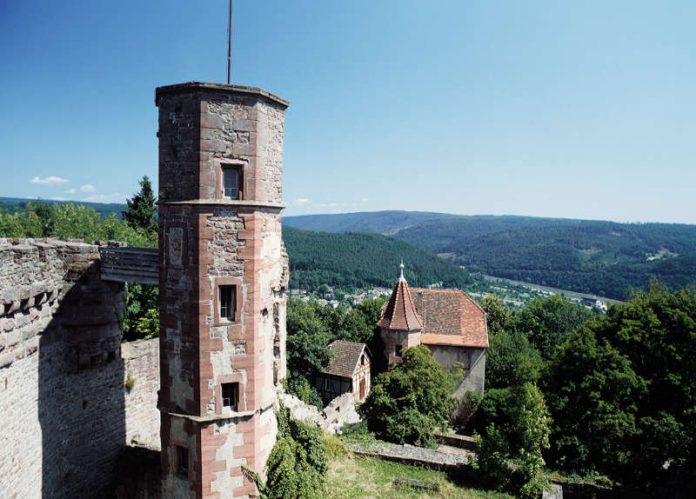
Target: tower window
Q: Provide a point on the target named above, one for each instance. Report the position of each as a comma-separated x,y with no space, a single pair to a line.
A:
182,461
398,350
228,302
232,181
230,395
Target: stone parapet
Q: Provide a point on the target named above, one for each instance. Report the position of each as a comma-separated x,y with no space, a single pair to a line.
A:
61,374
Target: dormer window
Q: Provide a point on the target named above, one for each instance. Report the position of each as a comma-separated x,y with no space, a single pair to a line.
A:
232,181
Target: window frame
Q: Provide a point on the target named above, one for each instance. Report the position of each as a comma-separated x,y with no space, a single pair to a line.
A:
235,386
221,165
218,282
227,305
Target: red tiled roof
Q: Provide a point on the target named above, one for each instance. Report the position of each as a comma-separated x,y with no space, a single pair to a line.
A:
400,313
346,358
450,317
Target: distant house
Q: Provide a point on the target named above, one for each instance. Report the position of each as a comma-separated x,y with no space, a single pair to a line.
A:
348,371
448,322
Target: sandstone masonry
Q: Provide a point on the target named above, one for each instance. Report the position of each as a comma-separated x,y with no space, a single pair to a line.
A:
66,412
223,278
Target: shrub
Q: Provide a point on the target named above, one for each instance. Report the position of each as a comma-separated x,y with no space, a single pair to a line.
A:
518,438
409,402
297,465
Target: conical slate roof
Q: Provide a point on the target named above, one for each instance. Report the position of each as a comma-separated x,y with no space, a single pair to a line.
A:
400,313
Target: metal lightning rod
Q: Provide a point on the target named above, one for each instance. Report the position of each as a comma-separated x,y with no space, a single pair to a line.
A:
229,44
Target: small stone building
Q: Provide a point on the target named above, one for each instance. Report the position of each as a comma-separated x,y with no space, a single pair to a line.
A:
447,321
348,371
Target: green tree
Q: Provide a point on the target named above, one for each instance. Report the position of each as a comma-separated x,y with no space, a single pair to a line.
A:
297,465
592,393
511,360
623,392
142,208
308,340
307,349
510,449
548,322
409,402
498,316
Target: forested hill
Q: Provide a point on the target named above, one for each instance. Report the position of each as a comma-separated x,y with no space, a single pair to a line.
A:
362,260
605,258
18,205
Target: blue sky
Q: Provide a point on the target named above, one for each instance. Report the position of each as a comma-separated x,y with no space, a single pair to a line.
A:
567,109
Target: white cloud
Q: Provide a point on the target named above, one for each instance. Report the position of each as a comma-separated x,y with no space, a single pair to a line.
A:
70,191
87,188
52,180
302,202
115,197
57,198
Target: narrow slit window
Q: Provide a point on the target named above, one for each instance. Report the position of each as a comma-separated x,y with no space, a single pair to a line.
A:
228,301
230,395
182,461
232,182
398,350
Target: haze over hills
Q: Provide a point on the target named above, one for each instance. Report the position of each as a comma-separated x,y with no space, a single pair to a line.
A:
13,205
605,258
599,257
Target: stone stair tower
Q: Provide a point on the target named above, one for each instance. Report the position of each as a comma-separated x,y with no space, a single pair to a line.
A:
223,281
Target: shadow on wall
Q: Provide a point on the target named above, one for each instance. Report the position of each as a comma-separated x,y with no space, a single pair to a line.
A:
81,391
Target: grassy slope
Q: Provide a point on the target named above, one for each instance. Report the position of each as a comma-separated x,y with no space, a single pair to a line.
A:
352,477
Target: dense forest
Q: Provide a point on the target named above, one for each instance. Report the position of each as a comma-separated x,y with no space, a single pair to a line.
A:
605,258
606,399
350,261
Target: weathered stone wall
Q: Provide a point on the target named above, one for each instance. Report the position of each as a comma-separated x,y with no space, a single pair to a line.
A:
208,241
141,382
473,360
61,373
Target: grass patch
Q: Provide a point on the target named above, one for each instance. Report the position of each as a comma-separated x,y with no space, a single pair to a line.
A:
353,477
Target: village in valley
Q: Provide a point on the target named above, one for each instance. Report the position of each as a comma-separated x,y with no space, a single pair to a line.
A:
211,336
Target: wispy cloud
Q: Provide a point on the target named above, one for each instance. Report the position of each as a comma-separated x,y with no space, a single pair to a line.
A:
52,180
87,188
302,202
70,191
115,197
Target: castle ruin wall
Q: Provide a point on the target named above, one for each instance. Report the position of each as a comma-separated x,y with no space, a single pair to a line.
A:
65,411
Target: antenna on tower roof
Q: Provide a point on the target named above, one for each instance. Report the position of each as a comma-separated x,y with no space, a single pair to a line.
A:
229,44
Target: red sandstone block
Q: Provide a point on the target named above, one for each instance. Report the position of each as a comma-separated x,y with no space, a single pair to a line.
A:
246,450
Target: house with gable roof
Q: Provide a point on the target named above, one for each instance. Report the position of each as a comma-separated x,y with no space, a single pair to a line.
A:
347,371
451,324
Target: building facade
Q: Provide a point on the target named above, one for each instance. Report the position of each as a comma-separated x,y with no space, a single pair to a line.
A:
223,281
447,321
348,371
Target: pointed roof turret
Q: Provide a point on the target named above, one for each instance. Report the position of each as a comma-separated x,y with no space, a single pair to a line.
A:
400,313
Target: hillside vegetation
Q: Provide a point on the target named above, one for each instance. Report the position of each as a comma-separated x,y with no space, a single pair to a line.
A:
605,258
349,261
